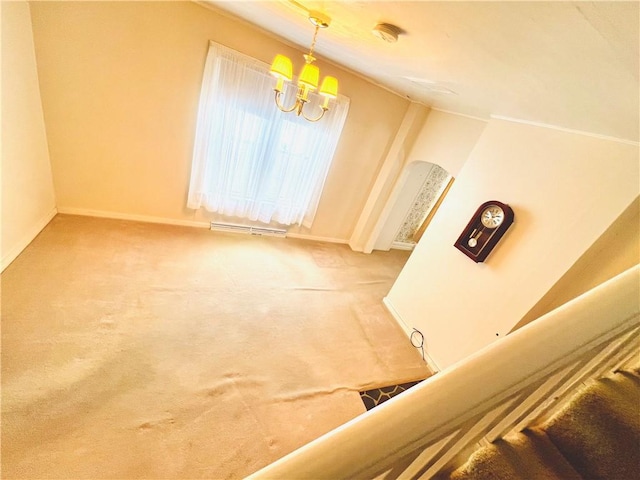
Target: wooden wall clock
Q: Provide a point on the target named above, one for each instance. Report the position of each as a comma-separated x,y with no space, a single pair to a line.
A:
486,227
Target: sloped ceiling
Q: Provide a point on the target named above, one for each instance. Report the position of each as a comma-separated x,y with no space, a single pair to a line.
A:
570,64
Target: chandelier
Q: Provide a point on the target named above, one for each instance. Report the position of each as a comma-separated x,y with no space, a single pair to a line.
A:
281,68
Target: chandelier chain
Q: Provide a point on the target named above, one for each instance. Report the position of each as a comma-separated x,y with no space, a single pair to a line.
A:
313,45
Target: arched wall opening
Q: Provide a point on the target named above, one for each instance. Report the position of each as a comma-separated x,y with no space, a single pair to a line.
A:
411,206
426,137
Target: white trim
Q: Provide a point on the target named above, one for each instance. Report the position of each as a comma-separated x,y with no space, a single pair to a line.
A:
402,246
128,216
26,239
394,313
408,331
248,229
304,236
566,130
173,221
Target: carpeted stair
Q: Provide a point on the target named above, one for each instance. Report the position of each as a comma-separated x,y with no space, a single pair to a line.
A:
595,436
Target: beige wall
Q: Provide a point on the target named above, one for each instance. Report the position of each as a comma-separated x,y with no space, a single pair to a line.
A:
376,210
120,83
447,139
28,201
617,250
566,189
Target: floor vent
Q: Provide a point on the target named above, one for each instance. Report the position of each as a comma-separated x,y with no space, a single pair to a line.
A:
252,230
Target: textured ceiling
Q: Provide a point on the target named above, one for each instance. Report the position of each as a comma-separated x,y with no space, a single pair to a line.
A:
570,64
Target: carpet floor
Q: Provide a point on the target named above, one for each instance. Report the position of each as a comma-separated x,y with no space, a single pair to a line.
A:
134,350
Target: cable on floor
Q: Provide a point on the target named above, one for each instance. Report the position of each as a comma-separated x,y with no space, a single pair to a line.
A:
419,343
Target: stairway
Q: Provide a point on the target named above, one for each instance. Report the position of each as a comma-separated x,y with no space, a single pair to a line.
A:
595,436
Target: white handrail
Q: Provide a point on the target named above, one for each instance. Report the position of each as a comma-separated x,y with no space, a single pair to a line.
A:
450,406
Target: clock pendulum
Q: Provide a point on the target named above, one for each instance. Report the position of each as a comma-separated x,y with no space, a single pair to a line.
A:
473,241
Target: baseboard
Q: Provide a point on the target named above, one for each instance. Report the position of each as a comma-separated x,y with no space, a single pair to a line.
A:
402,246
26,239
172,221
409,331
303,236
394,313
133,217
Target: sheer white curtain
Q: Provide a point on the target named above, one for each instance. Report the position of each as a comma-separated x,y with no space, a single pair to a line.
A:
250,159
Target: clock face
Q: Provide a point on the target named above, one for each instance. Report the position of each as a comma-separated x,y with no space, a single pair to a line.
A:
492,216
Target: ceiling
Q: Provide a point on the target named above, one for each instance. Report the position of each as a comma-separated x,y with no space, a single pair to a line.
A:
570,64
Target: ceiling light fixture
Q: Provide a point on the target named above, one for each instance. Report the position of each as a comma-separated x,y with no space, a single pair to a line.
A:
282,68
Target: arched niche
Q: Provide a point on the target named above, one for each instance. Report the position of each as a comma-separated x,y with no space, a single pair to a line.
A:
413,202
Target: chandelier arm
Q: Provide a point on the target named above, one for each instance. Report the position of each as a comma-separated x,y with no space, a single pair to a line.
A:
282,108
314,119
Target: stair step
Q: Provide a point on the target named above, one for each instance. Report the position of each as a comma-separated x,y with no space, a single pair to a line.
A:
595,436
598,432
526,455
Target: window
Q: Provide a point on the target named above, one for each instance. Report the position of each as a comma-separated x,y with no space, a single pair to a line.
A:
250,159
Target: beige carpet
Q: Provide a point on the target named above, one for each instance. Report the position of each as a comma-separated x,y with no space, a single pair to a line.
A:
133,350
595,436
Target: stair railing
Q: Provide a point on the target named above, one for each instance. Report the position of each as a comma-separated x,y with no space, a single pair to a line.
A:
515,382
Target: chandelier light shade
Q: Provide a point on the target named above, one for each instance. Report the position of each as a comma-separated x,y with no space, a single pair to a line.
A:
329,87
282,69
309,76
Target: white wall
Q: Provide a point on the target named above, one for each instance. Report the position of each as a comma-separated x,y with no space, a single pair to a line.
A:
565,189
28,201
446,139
